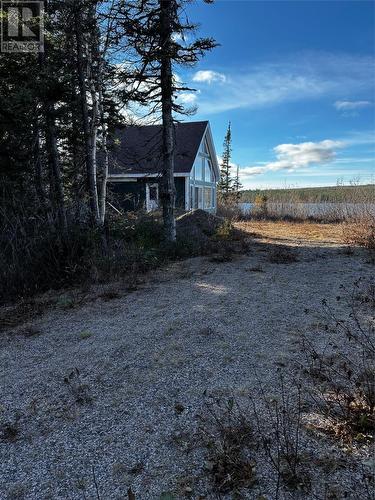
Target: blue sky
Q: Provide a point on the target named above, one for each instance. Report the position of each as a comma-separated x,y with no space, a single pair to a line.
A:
296,80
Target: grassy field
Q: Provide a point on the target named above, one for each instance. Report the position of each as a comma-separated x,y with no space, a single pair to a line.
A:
330,194
295,231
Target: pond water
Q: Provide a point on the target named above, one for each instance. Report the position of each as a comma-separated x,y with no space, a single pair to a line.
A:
331,210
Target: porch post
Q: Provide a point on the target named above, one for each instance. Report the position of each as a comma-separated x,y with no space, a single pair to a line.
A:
187,193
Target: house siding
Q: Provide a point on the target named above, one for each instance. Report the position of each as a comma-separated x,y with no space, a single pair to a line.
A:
131,196
128,196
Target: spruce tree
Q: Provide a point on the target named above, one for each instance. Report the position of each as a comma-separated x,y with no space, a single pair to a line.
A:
149,28
225,185
237,186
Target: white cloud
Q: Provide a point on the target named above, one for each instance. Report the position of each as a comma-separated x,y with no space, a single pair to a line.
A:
231,164
305,76
291,157
208,76
188,98
351,105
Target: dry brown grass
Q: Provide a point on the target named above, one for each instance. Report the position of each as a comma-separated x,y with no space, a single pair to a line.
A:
361,232
294,231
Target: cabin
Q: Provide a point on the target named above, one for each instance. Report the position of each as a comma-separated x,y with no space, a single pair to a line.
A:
135,161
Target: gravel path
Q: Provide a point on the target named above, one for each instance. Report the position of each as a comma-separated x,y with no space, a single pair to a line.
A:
136,369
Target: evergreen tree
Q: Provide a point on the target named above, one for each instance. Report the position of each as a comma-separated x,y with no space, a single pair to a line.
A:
237,186
225,185
150,29
58,108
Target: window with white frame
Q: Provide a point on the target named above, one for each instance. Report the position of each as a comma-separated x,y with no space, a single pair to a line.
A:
213,179
199,169
209,172
198,197
207,197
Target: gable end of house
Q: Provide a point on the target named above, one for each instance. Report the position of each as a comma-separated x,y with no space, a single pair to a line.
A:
135,166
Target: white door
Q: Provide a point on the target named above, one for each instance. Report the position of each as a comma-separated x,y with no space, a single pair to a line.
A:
152,197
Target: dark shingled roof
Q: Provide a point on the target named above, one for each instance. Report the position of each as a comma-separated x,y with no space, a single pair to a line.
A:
137,150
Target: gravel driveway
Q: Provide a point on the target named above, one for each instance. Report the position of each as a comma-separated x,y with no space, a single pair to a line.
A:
105,396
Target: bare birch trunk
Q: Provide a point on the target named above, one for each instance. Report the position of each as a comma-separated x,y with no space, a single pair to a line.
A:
104,172
77,164
168,190
98,120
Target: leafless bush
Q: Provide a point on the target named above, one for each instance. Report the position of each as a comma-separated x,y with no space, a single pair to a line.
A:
235,439
343,379
229,439
279,426
361,231
229,211
36,257
77,388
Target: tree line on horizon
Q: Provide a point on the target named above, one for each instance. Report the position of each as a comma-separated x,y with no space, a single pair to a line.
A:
330,194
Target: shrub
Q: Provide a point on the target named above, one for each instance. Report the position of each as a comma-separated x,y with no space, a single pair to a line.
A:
234,439
279,426
361,231
78,389
225,230
343,380
37,258
229,211
228,437
260,205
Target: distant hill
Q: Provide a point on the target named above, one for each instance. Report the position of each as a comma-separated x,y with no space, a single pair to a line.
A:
330,194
